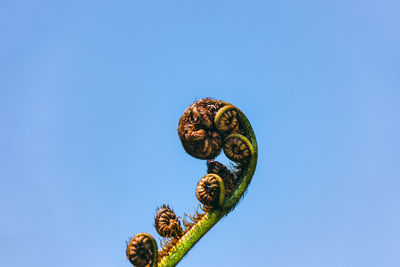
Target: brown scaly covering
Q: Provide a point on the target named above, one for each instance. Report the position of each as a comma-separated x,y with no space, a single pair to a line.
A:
226,175
236,149
166,223
208,190
140,251
166,246
196,129
169,243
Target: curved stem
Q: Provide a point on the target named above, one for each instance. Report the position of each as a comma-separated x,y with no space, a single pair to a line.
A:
155,249
249,169
188,240
191,238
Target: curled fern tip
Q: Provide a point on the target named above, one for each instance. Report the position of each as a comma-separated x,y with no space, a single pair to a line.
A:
206,127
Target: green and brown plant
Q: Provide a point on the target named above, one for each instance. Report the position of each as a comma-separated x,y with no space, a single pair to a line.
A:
206,128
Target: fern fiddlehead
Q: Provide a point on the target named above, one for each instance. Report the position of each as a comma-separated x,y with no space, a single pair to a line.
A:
205,128
142,250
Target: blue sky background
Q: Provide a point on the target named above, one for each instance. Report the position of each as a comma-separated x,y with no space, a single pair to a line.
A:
90,97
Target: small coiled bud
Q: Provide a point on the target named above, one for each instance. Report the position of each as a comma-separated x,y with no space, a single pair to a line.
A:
237,148
166,223
141,250
211,190
226,119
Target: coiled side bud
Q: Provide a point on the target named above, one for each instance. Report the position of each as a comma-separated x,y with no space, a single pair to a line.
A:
226,119
167,223
142,250
211,190
237,148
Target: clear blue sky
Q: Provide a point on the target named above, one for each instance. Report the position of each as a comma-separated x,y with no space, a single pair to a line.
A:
90,97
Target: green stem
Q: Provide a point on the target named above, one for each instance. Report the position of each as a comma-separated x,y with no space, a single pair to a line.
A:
249,169
155,249
191,237
211,218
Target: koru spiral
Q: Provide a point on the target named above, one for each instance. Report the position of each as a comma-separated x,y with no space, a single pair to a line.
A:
205,128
